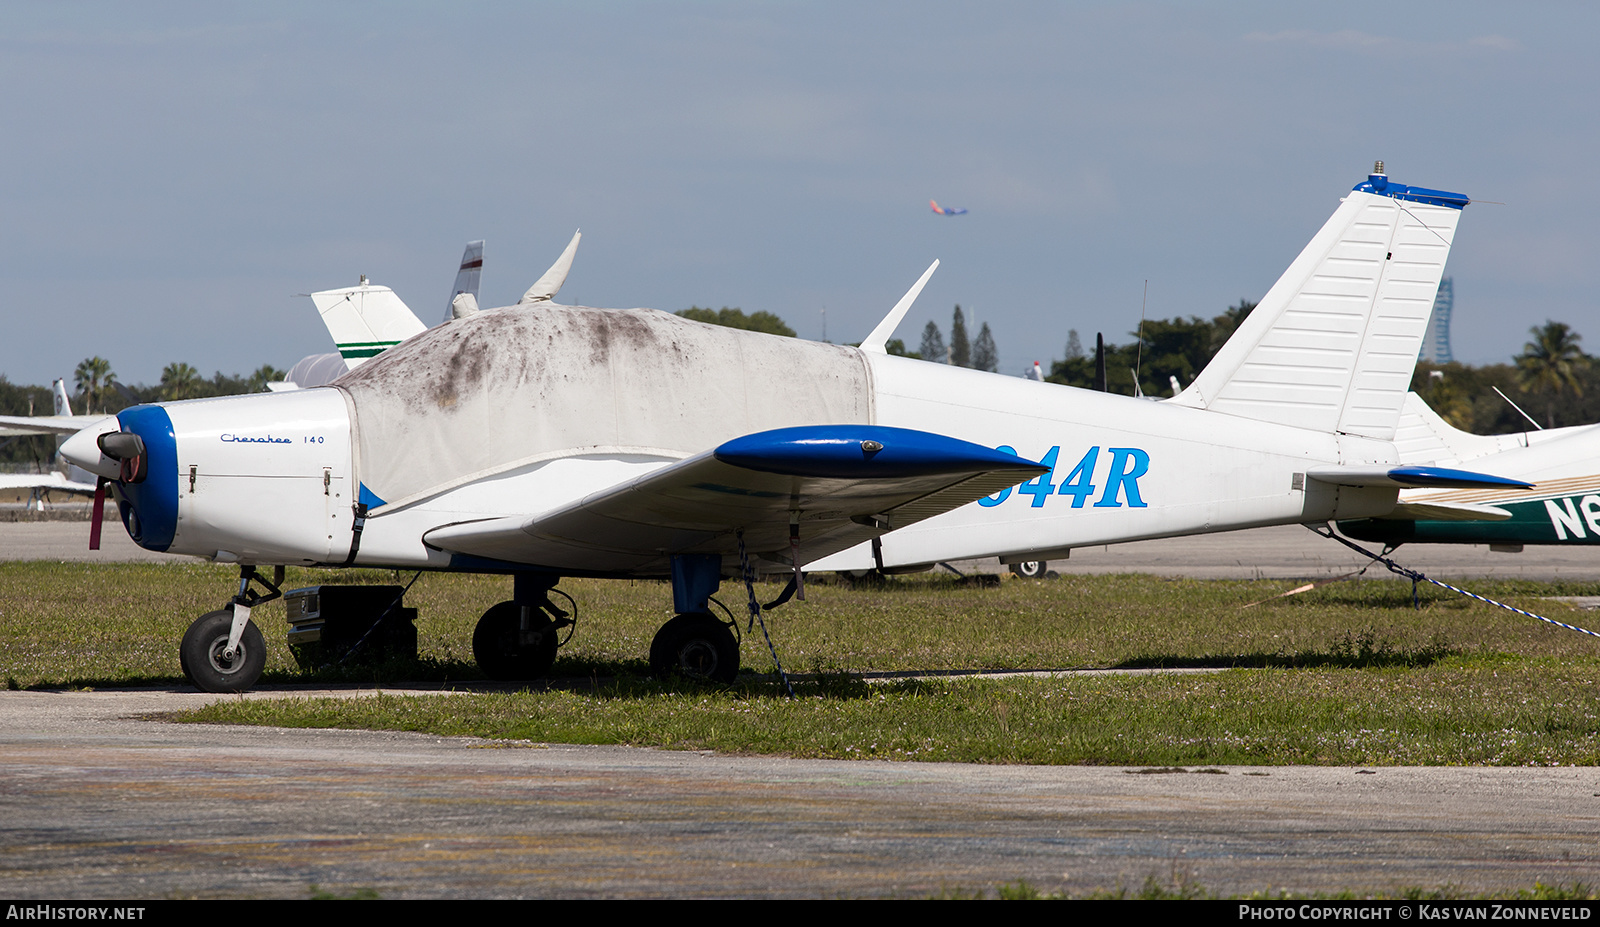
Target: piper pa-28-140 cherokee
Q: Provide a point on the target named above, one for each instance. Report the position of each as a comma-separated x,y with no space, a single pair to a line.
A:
553,441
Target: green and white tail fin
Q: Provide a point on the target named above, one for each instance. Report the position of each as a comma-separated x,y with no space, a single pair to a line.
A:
365,320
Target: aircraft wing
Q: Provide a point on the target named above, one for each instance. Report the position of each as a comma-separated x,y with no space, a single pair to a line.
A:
46,424
848,483
49,480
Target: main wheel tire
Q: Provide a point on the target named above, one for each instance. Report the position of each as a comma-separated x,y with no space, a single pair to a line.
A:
695,645
1031,569
201,657
499,650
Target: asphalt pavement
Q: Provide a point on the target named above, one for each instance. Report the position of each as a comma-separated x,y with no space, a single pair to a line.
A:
1285,552
100,799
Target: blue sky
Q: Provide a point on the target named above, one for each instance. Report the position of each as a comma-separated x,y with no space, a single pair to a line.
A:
176,172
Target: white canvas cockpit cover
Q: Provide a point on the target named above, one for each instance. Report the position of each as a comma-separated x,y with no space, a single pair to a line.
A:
492,392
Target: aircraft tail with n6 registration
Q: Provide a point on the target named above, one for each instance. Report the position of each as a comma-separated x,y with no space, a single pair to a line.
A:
1561,504
545,441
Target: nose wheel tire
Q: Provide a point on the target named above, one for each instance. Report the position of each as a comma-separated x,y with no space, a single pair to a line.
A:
504,651
695,645
203,658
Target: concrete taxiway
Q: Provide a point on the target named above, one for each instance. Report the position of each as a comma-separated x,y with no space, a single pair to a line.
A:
100,801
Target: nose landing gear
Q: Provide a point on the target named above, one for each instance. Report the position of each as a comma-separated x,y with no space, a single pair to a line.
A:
223,651
205,658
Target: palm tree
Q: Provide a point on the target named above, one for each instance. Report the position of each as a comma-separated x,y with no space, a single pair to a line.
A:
179,381
1550,364
92,377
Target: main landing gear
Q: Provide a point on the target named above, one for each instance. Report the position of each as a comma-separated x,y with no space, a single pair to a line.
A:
1034,569
697,645
223,651
518,639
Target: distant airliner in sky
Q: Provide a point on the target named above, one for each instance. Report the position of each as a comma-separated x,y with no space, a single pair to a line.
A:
953,211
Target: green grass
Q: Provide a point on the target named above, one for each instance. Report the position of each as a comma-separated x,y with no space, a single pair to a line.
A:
1348,674
1455,712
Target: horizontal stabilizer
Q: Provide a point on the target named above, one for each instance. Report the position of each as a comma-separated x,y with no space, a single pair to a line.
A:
1413,477
1446,511
848,484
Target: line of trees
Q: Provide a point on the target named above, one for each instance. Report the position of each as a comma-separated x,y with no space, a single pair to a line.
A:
1552,378
978,354
735,318
1165,348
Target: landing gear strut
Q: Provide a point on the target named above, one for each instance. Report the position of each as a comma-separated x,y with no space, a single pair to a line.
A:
223,651
518,639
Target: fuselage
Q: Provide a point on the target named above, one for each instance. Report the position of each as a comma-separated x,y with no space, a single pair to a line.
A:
523,412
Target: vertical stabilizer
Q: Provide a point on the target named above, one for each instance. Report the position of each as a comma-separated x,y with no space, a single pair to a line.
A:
58,389
365,320
1332,345
466,278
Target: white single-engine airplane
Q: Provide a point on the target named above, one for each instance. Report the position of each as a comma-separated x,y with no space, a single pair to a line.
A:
546,441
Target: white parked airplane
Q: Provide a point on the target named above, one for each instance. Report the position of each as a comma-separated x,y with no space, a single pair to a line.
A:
71,479
1562,508
634,443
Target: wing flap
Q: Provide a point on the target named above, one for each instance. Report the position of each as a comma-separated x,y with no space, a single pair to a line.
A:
1446,511
843,484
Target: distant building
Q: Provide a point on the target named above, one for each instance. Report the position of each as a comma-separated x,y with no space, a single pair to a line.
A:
1436,343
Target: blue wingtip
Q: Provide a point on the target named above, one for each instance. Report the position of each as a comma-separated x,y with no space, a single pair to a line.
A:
1447,477
864,451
